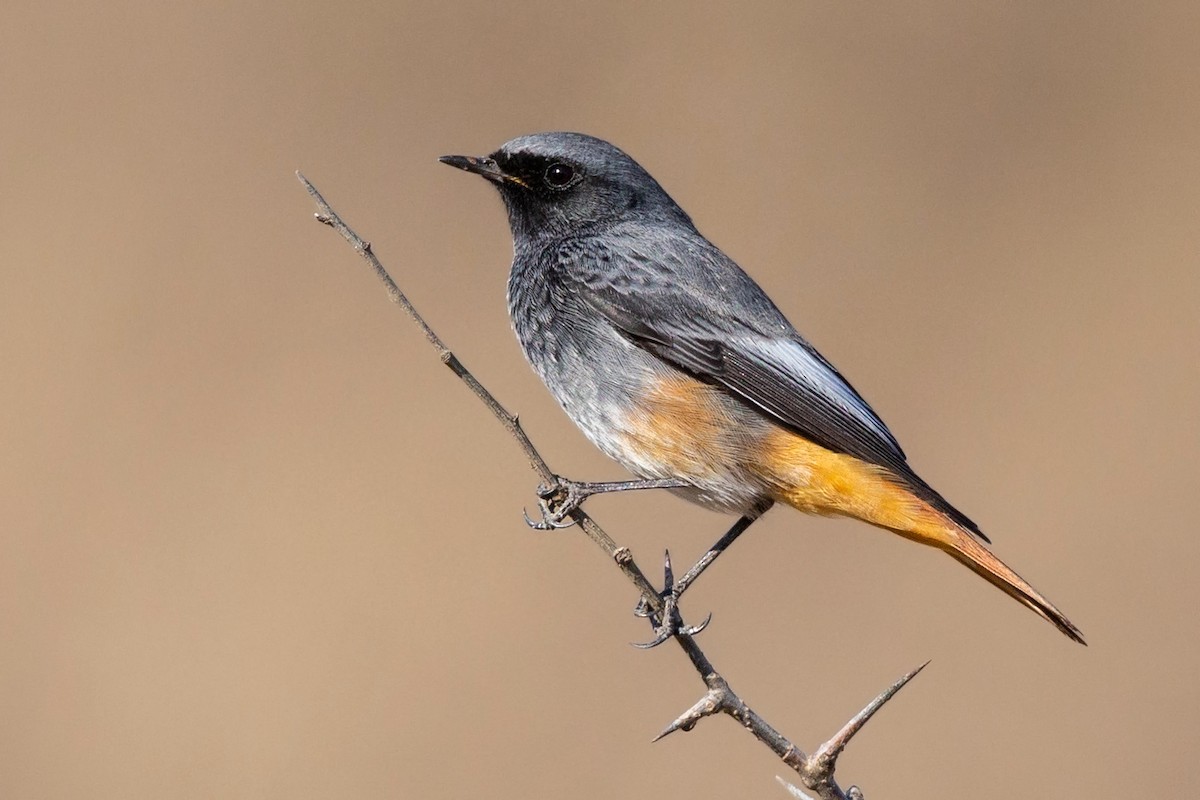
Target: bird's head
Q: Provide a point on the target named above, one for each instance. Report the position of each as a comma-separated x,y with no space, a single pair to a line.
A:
558,184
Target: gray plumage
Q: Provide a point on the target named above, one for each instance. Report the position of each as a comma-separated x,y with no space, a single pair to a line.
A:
610,272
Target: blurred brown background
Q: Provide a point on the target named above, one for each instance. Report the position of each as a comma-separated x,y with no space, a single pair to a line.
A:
257,542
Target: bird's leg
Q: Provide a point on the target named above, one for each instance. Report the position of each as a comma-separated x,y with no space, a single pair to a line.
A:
721,545
557,500
670,623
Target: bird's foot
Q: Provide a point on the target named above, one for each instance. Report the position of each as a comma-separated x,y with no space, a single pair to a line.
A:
560,498
669,622
556,501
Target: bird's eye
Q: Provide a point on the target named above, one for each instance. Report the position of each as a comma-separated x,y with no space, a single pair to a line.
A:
559,175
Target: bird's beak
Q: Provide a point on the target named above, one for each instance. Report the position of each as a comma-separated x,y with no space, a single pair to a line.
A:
481,165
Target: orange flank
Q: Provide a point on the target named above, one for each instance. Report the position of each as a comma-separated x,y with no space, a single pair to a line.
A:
683,427
811,478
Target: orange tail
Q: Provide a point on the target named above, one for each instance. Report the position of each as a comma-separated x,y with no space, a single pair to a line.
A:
816,480
983,563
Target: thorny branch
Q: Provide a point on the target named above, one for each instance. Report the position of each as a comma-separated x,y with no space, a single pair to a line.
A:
815,769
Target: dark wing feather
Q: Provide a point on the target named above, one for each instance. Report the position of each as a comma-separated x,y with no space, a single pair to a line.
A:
717,325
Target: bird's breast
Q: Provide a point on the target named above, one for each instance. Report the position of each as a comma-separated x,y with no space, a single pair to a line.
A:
650,417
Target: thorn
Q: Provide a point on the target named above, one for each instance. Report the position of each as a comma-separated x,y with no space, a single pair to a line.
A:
827,754
793,790
712,702
665,732
678,725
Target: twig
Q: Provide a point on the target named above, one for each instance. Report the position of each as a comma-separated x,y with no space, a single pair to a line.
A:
816,770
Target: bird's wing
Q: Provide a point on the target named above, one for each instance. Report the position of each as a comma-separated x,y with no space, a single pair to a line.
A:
692,306
784,377
696,309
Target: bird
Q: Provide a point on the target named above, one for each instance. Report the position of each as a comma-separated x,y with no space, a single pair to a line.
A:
675,363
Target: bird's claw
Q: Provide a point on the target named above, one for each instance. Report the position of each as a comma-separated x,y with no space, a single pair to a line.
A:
671,623
556,502
664,632
549,521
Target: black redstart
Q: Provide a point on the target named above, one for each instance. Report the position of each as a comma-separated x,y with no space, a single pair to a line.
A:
676,364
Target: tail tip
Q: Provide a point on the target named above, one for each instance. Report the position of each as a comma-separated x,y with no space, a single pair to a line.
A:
1068,628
